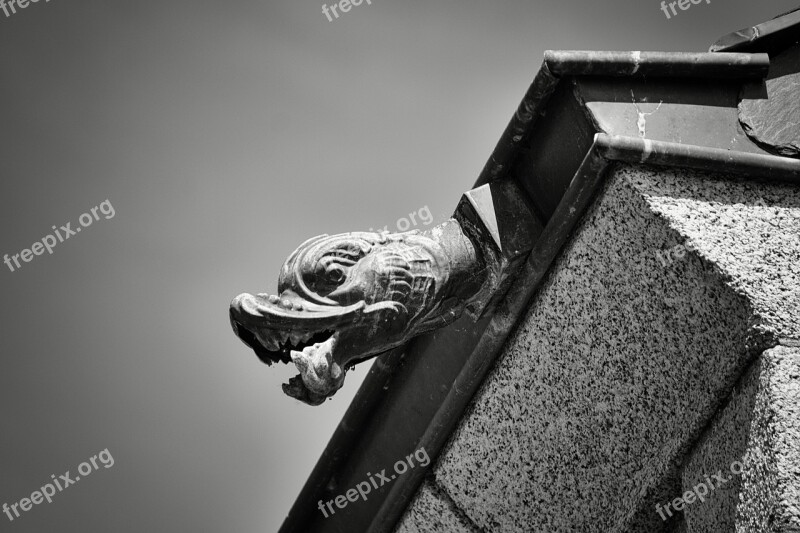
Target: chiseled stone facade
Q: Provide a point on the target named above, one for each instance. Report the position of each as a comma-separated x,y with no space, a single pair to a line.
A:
629,379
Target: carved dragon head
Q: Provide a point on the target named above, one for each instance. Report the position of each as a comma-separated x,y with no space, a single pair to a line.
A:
345,298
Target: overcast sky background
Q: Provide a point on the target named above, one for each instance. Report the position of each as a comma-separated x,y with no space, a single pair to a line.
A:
224,134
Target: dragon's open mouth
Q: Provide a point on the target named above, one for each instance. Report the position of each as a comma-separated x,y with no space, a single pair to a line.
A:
273,345
284,330
344,299
275,326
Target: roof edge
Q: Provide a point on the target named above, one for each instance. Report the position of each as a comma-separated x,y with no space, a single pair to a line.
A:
587,181
771,36
605,150
560,64
646,151
657,64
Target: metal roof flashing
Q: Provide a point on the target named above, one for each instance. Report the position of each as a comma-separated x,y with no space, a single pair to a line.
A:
772,36
413,398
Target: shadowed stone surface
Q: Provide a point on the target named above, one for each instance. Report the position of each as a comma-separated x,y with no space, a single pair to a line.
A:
749,231
625,356
759,428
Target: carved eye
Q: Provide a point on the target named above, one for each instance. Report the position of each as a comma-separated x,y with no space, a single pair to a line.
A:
333,268
335,273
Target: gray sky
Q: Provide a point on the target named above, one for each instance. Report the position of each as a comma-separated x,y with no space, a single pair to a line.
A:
224,134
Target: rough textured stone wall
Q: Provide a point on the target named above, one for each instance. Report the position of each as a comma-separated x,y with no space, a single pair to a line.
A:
751,453
595,409
434,511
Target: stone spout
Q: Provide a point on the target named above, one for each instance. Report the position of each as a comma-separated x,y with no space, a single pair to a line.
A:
346,298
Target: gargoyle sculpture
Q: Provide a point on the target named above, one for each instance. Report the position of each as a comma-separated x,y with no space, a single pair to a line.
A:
349,297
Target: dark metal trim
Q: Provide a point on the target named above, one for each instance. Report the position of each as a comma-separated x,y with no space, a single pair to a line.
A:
605,150
379,388
587,181
507,315
657,64
771,36
516,133
636,150
563,63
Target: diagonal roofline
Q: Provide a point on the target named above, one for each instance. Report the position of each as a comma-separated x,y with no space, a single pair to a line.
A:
559,64
400,384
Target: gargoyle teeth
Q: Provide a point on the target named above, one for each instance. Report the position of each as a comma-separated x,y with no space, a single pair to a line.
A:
267,338
277,340
295,337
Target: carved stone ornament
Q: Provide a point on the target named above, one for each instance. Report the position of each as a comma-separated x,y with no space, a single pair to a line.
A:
346,298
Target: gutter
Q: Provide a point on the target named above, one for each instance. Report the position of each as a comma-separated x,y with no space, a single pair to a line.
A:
380,419
561,64
588,180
